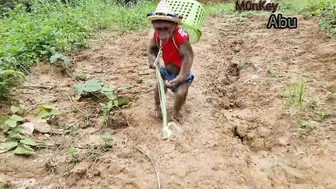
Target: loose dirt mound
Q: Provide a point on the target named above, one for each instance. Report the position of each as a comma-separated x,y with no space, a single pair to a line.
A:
236,134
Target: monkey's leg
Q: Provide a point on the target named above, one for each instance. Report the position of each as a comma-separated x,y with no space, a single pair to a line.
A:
180,97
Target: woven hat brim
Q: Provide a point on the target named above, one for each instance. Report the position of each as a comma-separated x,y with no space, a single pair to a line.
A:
161,17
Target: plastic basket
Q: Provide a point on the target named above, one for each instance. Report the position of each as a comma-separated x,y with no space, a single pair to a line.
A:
193,16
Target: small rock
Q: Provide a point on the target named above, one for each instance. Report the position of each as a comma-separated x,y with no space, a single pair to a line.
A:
250,136
81,168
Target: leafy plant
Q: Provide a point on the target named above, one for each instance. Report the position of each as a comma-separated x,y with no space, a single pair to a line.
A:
8,78
96,86
73,155
331,96
295,95
309,124
58,56
109,142
47,30
47,111
322,115
16,136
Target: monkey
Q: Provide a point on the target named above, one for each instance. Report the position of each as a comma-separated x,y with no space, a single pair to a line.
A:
178,56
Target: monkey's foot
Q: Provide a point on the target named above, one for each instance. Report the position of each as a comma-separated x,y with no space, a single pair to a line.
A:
157,112
178,116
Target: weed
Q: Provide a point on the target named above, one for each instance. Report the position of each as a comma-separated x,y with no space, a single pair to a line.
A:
109,142
16,135
8,78
47,111
72,127
322,115
95,87
79,76
219,9
4,184
308,124
331,96
51,29
50,166
323,9
73,155
312,105
295,95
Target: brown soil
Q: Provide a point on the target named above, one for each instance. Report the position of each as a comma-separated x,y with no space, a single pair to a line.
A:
237,133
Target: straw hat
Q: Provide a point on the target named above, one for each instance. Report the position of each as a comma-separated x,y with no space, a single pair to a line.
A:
164,12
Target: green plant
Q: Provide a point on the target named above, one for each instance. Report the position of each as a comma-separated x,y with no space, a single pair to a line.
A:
323,9
308,124
51,29
109,142
16,136
73,155
322,115
4,184
295,95
331,96
96,86
79,76
9,78
72,127
47,111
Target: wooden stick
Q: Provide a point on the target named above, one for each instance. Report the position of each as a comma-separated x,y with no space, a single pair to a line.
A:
157,173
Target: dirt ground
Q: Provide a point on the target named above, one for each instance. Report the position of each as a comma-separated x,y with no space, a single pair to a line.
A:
237,133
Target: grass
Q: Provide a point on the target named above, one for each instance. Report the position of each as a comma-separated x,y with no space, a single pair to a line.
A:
219,9
52,29
325,10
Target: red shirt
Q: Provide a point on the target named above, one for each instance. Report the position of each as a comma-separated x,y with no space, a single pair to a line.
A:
169,52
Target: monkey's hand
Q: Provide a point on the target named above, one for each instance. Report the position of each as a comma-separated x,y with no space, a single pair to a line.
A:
174,82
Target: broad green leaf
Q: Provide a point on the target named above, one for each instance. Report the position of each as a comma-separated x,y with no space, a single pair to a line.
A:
7,72
45,107
106,136
23,149
93,86
79,88
18,130
3,120
12,72
43,114
5,128
14,109
54,112
16,118
4,147
29,141
15,136
121,101
54,57
11,123
108,92
66,61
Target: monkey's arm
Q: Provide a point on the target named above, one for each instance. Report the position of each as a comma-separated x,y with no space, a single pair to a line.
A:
187,55
152,51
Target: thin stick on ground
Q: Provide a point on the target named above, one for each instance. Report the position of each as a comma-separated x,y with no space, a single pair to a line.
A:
156,171
73,104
